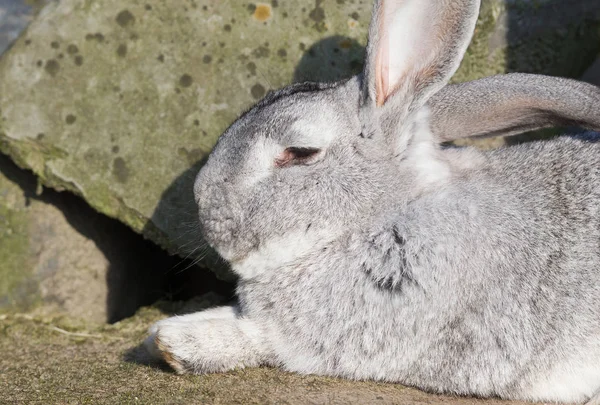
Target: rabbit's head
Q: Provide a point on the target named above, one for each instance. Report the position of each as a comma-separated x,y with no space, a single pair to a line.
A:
289,175
311,161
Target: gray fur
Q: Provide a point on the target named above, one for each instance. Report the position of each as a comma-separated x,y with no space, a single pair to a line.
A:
388,257
512,104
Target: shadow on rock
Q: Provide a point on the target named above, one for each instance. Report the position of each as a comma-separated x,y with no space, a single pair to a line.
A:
330,59
177,213
552,37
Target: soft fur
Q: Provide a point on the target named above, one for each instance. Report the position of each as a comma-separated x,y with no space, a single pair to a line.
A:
386,256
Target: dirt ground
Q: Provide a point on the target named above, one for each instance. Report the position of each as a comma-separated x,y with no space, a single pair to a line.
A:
61,361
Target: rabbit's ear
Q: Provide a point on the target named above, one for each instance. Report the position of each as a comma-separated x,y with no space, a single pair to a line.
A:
414,48
512,104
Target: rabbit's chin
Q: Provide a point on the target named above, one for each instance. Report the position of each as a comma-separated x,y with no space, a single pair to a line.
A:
287,250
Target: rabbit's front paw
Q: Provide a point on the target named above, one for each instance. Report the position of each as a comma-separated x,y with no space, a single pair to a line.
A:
202,344
170,344
189,347
165,342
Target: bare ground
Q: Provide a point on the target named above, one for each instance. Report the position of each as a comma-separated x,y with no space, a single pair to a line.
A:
62,361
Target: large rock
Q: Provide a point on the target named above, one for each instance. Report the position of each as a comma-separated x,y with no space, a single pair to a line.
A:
120,101
45,261
59,256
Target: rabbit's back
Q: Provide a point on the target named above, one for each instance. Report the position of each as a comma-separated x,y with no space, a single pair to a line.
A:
514,244
564,173
550,270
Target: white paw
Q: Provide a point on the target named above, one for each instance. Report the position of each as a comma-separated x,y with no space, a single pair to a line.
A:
173,338
201,343
168,341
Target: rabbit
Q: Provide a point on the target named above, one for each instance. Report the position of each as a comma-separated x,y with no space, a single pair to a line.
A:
367,250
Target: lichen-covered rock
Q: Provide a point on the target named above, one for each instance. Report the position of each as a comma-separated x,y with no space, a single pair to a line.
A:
59,256
120,101
45,262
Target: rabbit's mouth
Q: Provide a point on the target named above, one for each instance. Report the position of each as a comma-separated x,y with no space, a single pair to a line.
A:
226,234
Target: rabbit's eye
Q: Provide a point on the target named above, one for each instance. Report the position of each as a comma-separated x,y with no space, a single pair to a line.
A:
296,156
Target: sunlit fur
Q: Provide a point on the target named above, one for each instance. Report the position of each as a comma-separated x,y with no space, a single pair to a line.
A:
393,258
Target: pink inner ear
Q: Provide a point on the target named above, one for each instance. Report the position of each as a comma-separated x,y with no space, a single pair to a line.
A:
382,61
410,36
382,73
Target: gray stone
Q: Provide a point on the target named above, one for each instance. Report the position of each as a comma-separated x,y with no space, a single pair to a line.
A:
60,257
120,101
46,264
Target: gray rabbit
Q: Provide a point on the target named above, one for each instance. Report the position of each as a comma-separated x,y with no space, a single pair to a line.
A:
366,250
